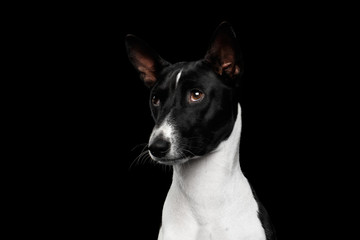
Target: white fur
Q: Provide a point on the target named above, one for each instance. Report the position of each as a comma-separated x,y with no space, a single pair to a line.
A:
167,130
178,78
210,198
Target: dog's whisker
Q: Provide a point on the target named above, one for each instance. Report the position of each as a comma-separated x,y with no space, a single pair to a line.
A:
142,157
185,148
139,145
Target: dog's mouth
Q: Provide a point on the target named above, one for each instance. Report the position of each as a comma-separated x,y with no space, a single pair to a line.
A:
169,161
172,161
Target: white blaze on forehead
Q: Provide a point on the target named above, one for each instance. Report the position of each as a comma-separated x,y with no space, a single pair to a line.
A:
178,77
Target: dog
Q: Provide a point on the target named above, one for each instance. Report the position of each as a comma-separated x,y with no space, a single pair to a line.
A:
197,130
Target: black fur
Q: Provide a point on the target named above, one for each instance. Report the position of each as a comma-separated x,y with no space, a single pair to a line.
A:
203,125
265,219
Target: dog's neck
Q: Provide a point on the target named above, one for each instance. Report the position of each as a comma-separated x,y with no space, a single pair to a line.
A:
210,181
210,198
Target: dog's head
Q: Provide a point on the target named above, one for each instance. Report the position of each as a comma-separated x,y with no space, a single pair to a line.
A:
194,104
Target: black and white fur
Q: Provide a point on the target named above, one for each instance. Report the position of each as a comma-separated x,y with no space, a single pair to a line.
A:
197,131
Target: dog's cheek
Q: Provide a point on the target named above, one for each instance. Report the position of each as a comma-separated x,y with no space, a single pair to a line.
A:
199,141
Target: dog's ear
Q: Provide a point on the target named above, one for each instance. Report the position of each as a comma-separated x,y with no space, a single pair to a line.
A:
224,52
145,60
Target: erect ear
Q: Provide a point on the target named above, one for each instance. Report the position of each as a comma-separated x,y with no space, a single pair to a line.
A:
224,53
145,60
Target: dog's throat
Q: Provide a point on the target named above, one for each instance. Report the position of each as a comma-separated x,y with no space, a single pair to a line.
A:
203,180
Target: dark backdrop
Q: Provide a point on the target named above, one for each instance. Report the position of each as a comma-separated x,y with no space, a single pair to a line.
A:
97,119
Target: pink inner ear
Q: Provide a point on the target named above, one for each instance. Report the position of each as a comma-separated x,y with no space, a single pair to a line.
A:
144,62
229,69
147,68
147,75
237,70
225,65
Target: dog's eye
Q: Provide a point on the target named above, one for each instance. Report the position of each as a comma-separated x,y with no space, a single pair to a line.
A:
196,96
155,101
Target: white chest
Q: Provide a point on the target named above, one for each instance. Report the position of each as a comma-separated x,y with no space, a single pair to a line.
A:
223,219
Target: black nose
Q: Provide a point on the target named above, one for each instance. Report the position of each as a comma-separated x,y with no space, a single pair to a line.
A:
159,147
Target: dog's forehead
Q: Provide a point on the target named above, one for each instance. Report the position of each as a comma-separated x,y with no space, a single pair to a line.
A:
174,75
184,72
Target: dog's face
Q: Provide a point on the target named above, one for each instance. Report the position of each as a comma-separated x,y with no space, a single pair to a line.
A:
193,104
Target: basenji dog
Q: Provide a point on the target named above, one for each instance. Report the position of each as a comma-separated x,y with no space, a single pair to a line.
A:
197,130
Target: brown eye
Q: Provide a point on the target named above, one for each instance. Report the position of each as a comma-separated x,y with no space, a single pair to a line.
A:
155,101
196,96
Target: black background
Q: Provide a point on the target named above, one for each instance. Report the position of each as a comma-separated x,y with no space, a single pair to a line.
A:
92,116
